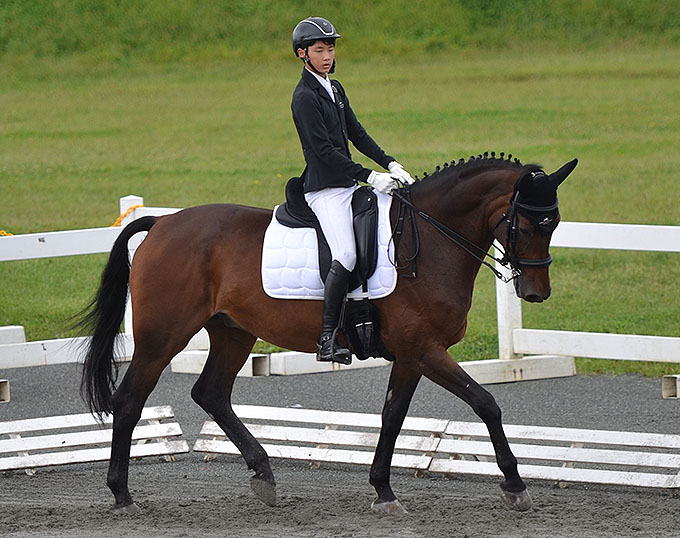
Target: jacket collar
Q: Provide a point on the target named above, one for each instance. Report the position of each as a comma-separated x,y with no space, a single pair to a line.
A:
313,83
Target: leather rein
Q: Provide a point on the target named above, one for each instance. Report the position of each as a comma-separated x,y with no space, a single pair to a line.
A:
543,218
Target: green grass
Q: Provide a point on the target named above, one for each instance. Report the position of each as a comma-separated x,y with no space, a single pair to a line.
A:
194,30
76,135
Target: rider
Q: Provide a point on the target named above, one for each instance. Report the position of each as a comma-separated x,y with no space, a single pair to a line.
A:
325,122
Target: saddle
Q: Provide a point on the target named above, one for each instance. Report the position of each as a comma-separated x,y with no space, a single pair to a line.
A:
361,320
295,213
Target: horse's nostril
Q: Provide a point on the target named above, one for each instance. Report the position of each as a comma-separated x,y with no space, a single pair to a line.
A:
532,298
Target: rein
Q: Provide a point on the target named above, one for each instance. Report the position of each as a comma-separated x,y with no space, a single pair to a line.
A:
544,226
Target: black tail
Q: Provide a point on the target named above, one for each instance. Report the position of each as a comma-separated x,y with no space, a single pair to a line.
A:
103,317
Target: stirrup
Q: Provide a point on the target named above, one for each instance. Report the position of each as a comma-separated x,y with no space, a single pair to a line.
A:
326,350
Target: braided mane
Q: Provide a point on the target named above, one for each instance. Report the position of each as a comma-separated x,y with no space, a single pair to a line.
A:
488,159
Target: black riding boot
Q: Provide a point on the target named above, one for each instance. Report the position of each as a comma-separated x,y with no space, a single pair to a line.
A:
334,297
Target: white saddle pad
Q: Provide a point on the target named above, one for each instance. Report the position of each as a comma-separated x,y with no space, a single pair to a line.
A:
290,260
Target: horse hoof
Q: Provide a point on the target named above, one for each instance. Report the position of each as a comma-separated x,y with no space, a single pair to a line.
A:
127,510
518,501
263,490
388,508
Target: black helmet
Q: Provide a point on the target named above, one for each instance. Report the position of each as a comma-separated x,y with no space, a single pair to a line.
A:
312,29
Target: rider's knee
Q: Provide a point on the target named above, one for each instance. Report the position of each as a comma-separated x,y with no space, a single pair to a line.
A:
348,259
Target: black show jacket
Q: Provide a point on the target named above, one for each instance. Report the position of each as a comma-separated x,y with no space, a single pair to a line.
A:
324,128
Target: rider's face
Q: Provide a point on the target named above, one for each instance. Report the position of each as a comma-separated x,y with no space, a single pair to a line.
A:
321,56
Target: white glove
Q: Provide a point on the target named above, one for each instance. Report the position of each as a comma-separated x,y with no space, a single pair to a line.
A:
398,171
381,181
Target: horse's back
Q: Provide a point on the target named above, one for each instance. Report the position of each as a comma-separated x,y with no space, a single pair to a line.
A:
190,245
196,228
213,219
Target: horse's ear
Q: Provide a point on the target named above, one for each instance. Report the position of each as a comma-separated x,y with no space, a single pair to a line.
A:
560,175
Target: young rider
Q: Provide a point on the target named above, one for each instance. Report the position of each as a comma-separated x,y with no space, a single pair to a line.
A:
325,122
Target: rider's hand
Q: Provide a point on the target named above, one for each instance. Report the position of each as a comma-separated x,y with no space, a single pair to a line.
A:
398,171
381,181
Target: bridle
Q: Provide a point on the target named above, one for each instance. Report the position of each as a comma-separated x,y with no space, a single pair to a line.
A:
543,218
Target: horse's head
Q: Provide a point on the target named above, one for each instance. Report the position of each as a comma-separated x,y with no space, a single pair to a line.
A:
527,228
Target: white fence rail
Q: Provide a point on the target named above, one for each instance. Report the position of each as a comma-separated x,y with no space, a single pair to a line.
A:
513,339
55,244
75,242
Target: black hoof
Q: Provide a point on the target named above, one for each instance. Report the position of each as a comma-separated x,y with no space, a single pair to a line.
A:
388,508
127,510
264,490
518,501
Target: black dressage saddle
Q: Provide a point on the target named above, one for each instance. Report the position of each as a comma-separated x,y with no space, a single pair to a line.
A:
361,319
295,213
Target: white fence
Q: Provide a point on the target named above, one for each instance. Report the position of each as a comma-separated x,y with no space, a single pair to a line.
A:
75,242
513,339
15,352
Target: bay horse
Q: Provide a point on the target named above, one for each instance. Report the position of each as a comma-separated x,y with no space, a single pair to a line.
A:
200,268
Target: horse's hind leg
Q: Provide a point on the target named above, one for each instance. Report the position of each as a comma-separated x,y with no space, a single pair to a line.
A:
229,349
440,368
147,364
402,385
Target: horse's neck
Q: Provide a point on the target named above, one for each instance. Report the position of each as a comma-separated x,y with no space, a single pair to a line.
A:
466,207
445,272
462,205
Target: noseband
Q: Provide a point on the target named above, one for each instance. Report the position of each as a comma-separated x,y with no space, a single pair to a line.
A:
543,218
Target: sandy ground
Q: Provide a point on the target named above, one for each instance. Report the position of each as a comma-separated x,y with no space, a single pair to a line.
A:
192,498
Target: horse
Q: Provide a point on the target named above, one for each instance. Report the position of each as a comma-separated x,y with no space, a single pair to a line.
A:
198,268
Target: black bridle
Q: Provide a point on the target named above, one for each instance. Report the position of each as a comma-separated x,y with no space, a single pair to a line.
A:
544,221
543,218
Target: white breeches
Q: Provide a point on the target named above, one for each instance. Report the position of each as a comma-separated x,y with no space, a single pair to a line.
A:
333,208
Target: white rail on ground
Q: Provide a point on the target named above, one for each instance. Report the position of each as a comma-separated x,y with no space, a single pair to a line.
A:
61,440
443,446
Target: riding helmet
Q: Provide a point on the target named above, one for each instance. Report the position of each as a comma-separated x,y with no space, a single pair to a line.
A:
312,29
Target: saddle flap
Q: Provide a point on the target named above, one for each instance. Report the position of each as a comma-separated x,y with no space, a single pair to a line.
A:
365,209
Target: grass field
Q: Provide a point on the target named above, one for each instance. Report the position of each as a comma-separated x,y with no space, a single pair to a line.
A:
78,133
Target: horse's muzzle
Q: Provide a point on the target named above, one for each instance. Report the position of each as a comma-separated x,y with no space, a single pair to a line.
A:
531,298
531,291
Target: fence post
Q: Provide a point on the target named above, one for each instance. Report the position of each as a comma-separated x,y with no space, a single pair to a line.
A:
508,312
126,202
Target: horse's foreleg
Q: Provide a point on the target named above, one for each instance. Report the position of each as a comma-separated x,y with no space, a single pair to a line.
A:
443,370
402,385
229,349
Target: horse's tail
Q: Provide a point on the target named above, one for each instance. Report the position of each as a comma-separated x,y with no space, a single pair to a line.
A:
102,318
